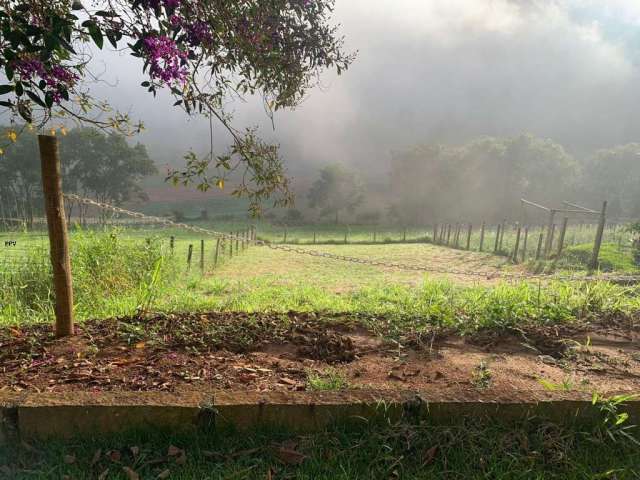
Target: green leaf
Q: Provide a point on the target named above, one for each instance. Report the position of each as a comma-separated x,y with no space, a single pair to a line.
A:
36,98
96,34
4,89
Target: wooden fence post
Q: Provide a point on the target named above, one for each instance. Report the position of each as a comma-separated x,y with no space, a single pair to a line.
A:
215,256
482,236
563,232
346,232
517,246
552,236
202,256
524,244
448,233
456,237
404,234
237,243
435,233
502,229
495,248
547,245
284,239
469,237
189,255
172,243
231,245
58,236
598,242
539,249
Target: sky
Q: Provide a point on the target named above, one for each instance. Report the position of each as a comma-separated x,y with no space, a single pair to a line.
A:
435,71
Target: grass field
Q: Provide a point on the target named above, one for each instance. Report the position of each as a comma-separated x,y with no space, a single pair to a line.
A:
122,271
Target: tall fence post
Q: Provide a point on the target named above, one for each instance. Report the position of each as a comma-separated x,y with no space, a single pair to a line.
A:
495,248
547,245
469,237
172,241
58,236
482,236
563,232
237,243
189,255
448,233
404,234
524,243
598,242
517,246
539,249
231,245
215,256
202,256
502,229
284,238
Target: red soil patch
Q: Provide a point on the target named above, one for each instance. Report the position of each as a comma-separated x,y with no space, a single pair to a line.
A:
208,352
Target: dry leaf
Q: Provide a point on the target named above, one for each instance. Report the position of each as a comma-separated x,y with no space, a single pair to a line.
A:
131,474
69,459
164,474
430,455
173,451
140,345
290,457
135,451
103,475
96,457
114,455
182,458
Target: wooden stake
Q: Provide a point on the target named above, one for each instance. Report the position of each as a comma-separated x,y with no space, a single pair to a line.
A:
482,236
524,244
598,242
517,246
495,248
563,232
539,249
469,236
171,243
215,256
189,255
202,256
58,236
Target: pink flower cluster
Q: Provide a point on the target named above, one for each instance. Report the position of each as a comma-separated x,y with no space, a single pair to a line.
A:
165,59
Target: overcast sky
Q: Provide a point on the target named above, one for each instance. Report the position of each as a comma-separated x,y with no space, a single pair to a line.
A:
440,71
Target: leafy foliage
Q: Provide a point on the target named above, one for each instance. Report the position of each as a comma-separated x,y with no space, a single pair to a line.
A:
337,189
201,51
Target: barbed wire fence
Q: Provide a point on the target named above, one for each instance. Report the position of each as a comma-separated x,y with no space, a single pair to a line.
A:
250,237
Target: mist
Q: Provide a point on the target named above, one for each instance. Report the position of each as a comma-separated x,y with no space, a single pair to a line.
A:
430,72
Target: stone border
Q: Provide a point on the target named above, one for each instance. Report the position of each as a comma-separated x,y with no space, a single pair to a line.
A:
40,416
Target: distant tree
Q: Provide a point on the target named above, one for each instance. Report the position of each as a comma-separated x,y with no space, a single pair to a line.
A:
105,166
483,179
338,189
614,175
293,216
95,164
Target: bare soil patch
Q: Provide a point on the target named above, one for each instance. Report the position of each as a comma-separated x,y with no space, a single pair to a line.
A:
261,352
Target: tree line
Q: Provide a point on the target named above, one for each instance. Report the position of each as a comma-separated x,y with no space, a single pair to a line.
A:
482,180
103,166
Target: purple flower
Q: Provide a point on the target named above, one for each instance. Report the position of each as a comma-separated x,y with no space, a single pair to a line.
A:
198,33
165,59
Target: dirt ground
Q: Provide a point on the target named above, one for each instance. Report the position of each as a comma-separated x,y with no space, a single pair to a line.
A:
215,351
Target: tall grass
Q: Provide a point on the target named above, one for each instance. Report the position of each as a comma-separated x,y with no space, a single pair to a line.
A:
112,275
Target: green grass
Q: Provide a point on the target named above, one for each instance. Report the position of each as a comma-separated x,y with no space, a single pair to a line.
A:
612,258
328,379
465,449
116,274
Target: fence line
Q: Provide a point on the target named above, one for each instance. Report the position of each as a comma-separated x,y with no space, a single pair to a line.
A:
345,258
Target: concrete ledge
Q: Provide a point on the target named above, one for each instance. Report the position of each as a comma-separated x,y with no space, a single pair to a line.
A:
40,416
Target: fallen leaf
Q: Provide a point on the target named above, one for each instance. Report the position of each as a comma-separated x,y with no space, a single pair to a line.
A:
131,474
141,345
287,381
182,458
114,455
96,457
164,474
173,451
103,475
429,456
69,459
135,451
290,457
